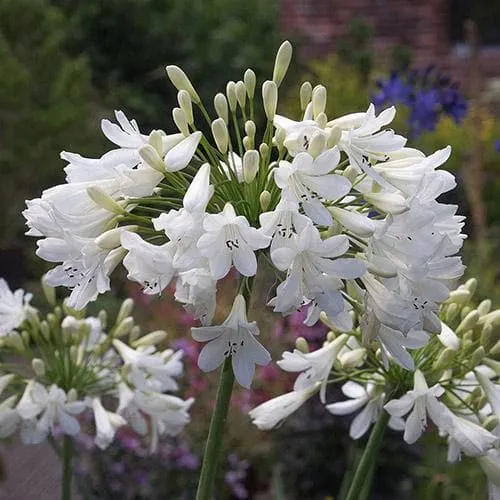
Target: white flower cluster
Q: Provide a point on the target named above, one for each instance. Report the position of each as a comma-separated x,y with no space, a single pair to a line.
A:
456,383
347,215
76,366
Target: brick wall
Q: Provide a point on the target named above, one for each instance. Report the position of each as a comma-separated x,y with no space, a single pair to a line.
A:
317,25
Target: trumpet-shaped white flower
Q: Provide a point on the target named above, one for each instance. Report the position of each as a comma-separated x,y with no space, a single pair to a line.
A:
298,135
13,307
45,409
308,180
315,366
106,422
370,397
150,265
422,400
181,154
9,417
271,413
229,239
235,338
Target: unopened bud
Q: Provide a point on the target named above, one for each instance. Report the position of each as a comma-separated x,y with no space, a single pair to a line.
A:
72,395
492,318
49,292
330,336
353,359
250,128
250,165
101,198
250,80
471,285
270,98
391,203
180,121
264,150
124,327
459,296
186,105
444,359
490,422
248,143
181,82
38,366
125,310
155,140
333,138
305,95
231,95
484,307
321,120
241,94
152,338
464,311
14,341
102,316
134,334
477,356
149,155
317,144
111,239
45,330
468,322
318,100
221,135
452,311
220,105
302,345
265,200
350,173
282,62
279,138
357,223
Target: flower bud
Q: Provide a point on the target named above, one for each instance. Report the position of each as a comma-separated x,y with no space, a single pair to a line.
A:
265,199
72,395
38,366
250,80
152,338
125,310
251,161
102,316
250,128
45,330
444,359
270,98
391,203
248,143
134,334
350,173
451,312
489,423
186,105
149,155
180,121
111,239
101,198
487,338
484,307
124,327
241,94
318,100
317,144
14,341
221,135
468,322
471,285
49,292
495,350
279,138
155,140
353,359
264,150
459,296
231,95
302,345
477,356
353,221
330,336
321,120
180,81
333,137
492,318
305,95
220,105
282,62
464,311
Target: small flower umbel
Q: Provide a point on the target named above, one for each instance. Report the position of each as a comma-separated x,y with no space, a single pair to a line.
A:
234,339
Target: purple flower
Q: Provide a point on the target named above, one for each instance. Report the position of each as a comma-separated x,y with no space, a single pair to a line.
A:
392,91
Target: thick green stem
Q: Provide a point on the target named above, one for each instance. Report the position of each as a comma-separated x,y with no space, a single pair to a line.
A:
214,440
368,458
67,456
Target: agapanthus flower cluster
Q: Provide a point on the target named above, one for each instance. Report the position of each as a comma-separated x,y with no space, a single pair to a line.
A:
426,93
454,383
58,366
344,214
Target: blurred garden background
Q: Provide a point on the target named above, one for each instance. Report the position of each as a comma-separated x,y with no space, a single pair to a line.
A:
66,64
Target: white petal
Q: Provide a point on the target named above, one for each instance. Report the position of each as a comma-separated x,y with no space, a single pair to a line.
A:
212,355
181,154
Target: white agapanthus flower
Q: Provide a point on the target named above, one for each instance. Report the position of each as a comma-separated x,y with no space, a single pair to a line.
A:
271,413
315,366
13,307
230,240
235,338
421,401
106,422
